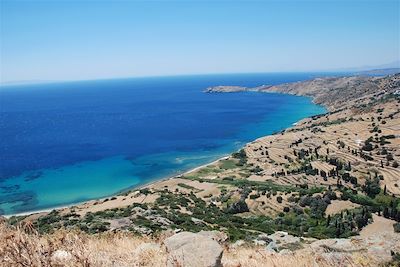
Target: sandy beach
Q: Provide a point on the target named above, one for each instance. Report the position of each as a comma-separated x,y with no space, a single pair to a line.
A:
119,203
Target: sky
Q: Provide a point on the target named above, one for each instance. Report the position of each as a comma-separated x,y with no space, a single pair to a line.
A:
79,40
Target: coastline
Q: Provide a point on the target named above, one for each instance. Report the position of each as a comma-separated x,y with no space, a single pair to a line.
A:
47,210
163,179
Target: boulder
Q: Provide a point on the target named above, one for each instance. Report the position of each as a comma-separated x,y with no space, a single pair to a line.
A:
191,249
119,223
220,237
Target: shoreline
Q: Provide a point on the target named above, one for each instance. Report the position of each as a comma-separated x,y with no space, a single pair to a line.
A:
46,210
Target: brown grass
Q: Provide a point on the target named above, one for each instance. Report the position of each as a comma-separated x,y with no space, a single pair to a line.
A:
23,246
256,256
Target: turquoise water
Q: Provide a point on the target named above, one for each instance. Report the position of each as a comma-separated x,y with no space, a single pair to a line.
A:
70,142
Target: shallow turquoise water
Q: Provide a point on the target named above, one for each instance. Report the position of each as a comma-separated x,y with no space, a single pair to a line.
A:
67,143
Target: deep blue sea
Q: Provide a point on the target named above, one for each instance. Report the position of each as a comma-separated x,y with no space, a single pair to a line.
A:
63,143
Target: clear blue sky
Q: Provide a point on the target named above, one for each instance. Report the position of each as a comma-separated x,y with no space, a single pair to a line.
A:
73,40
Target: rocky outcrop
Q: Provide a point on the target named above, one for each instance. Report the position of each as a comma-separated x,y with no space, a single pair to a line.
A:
225,89
195,250
220,237
377,246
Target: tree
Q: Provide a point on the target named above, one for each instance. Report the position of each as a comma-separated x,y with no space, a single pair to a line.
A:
286,209
238,207
386,212
371,187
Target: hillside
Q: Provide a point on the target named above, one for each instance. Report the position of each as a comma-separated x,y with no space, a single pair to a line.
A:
330,91
325,192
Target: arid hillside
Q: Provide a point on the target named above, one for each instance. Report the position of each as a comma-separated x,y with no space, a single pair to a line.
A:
325,192
332,92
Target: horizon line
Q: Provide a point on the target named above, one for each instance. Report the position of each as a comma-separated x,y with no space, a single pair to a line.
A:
39,82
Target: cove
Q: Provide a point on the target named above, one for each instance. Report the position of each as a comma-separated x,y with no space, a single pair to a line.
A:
64,143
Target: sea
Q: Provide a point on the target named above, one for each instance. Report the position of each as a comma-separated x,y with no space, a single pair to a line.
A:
68,142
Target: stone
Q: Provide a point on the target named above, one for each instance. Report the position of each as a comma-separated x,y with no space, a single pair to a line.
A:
195,250
197,221
119,223
220,237
238,244
259,242
61,256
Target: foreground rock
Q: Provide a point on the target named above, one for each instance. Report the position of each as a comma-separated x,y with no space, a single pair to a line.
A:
195,250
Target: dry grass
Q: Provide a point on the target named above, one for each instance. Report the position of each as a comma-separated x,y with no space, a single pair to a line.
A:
23,246
256,256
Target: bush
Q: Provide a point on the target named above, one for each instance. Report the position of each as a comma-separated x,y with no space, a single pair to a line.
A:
238,207
371,187
368,147
255,196
286,209
396,227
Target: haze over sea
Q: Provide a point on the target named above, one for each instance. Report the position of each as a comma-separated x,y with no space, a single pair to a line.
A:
63,143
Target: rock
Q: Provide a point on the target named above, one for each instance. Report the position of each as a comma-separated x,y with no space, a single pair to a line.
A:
138,210
220,237
336,245
238,243
277,240
259,242
119,223
286,252
225,89
197,221
159,220
377,247
61,256
148,212
265,238
272,247
142,230
194,250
